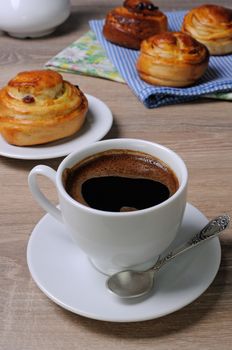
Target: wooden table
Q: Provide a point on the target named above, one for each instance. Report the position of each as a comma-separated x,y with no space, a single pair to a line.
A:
201,132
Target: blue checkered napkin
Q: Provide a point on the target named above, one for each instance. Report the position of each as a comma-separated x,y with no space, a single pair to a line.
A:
218,77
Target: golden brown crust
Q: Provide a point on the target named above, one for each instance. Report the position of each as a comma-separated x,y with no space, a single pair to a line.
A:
37,107
172,59
212,26
133,22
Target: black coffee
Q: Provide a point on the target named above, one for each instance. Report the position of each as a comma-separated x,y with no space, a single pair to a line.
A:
120,180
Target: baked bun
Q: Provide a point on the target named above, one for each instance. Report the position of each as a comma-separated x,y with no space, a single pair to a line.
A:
37,107
133,22
212,26
172,59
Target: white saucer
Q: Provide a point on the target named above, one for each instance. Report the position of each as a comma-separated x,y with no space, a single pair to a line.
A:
67,277
98,123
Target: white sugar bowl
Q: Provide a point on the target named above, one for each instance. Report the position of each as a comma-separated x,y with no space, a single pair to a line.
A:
32,18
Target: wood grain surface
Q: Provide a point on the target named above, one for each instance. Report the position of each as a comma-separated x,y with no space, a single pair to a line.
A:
201,132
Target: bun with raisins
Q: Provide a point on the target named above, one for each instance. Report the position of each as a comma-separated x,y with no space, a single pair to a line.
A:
37,107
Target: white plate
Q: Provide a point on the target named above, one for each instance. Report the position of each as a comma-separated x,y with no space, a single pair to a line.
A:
67,277
98,123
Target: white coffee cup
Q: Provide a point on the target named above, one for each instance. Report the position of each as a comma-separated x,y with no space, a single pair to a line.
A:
114,241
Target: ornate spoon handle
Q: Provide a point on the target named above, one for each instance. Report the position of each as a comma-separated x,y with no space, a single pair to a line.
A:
212,229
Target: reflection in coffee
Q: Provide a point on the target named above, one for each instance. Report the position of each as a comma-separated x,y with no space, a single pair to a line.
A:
120,180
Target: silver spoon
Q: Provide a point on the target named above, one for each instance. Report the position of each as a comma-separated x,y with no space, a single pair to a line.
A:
131,284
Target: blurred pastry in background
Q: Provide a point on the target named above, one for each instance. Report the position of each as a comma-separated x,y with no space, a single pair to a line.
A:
212,26
38,106
172,59
133,22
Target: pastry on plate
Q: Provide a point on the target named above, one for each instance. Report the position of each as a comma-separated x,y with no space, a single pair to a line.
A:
212,26
172,59
133,22
38,106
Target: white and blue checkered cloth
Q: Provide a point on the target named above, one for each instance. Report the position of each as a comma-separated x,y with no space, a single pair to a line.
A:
218,77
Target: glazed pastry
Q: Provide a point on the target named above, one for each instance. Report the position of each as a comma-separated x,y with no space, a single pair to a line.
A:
172,59
37,107
212,26
133,22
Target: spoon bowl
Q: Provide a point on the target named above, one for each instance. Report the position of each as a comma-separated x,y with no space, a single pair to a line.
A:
131,284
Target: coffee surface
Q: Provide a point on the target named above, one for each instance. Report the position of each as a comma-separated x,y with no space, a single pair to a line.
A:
120,180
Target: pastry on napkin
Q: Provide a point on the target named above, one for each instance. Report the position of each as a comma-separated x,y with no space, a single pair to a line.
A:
87,56
217,79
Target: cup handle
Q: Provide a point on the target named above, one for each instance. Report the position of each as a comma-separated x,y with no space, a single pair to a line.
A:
37,193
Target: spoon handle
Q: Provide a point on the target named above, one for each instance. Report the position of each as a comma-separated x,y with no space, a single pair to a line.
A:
212,229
